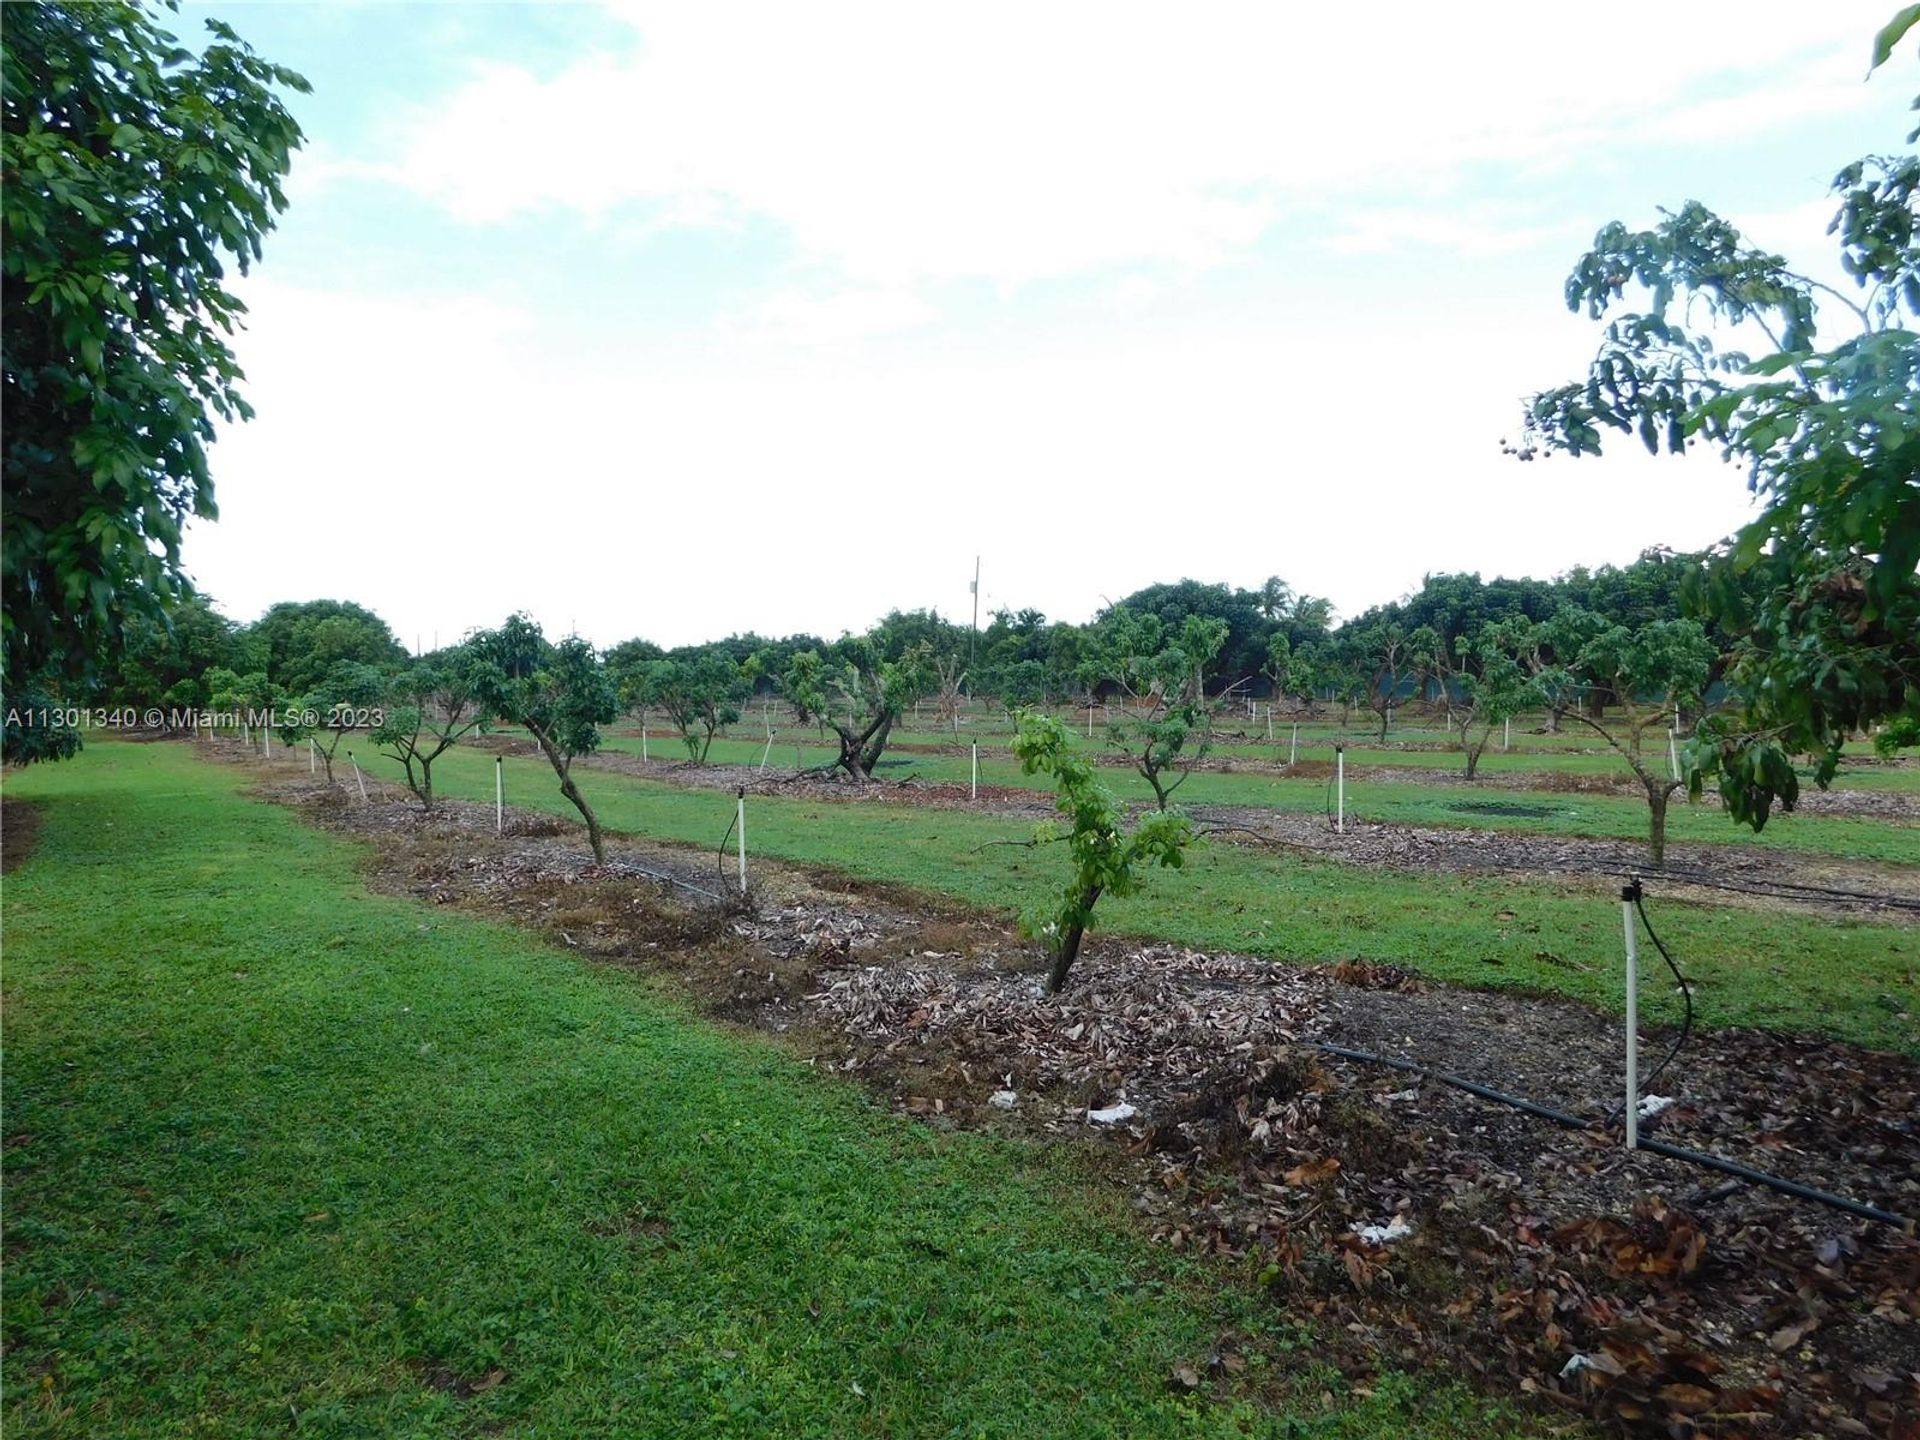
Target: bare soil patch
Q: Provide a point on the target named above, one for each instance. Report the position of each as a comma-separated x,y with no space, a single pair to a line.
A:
1424,1227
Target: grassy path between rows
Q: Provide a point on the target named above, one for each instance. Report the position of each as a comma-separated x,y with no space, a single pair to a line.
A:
1388,801
1848,978
285,1157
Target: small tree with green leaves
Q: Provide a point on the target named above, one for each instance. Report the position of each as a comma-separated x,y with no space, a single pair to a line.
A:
1387,657
1306,673
560,694
1167,727
429,707
1279,661
1486,691
1107,859
1648,673
700,693
348,687
857,695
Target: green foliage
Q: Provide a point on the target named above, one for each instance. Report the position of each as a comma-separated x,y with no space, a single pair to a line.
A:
1166,726
1486,682
1900,733
1107,859
166,655
1648,675
34,730
299,642
428,707
858,693
560,694
701,694
133,170
1822,587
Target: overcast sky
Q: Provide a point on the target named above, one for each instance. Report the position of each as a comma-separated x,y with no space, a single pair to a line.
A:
678,320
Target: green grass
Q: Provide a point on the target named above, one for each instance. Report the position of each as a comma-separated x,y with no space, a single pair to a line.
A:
1846,978
279,1147
1370,798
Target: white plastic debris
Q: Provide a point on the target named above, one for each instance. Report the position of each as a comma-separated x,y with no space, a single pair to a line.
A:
1398,1228
1652,1105
1574,1366
1116,1114
1003,1099
1412,1093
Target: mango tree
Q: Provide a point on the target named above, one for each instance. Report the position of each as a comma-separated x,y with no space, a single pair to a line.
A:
336,705
700,693
428,707
857,695
1488,685
1106,858
1166,727
1648,673
560,694
1822,587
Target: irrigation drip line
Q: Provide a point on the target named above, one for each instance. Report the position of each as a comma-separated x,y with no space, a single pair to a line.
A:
1656,1147
666,879
1458,1082
1776,1182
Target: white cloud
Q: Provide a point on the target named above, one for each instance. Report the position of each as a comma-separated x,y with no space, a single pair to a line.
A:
799,318
1021,142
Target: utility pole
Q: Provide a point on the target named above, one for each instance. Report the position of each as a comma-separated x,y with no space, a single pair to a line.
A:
973,640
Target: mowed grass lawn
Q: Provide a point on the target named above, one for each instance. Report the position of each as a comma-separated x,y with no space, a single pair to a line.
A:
1848,978
1372,798
284,1157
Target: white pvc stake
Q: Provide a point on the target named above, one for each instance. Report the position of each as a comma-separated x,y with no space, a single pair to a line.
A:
1089,722
1293,745
643,737
358,778
246,734
313,757
1633,1016
499,796
1673,752
1269,724
766,752
1507,742
742,818
976,771
1340,769
266,742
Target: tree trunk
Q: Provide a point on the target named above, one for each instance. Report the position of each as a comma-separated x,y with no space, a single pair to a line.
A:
865,755
563,767
1657,829
1554,712
426,784
1069,948
572,792
1473,759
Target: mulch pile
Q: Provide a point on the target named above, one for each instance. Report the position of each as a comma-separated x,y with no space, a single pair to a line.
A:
1419,1222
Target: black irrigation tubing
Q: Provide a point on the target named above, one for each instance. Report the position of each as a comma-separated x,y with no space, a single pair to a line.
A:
1652,1146
1635,889
666,879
